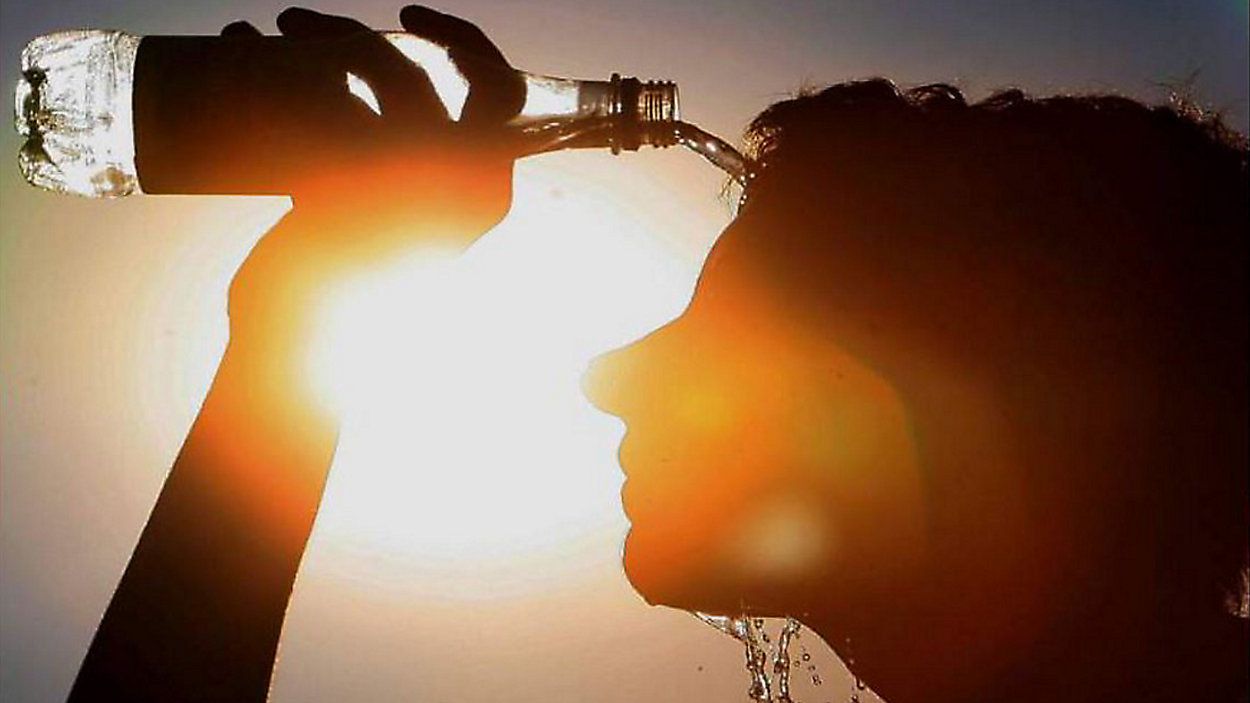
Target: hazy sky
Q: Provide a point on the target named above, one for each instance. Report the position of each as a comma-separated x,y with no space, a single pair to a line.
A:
113,318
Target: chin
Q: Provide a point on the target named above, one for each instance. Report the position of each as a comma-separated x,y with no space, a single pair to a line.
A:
685,587
649,576
641,575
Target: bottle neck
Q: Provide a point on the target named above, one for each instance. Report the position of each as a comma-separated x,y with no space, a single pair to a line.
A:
645,112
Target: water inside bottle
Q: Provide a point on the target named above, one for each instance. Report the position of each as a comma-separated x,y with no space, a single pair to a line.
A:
72,107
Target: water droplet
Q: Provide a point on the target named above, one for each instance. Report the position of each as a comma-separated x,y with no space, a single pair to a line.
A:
807,657
760,654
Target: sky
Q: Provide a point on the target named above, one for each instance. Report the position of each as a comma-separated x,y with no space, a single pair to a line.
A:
505,582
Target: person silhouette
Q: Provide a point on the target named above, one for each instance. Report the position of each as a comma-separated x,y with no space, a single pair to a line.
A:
962,388
199,610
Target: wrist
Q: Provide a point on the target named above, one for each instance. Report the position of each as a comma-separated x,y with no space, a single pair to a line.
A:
263,436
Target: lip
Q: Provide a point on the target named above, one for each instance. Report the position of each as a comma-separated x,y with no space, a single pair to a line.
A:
628,495
622,452
621,462
625,502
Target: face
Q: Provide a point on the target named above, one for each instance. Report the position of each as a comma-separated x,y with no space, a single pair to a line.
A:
760,456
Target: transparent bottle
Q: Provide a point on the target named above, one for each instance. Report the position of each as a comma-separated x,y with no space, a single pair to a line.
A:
107,113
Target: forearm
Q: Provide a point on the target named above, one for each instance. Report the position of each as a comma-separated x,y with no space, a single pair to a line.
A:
199,610
198,613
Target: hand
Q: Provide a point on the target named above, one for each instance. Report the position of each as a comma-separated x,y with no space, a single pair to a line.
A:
374,186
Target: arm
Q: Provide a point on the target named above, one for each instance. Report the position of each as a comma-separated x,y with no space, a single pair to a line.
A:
199,610
198,613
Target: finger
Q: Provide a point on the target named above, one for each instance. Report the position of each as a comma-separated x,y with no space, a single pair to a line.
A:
240,29
496,92
304,23
450,31
402,88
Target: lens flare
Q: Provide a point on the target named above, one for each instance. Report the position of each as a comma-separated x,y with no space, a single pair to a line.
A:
466,439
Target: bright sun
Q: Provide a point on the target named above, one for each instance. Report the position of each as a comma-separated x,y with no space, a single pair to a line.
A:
465,437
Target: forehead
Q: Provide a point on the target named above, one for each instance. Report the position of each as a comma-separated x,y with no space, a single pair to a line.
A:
780,240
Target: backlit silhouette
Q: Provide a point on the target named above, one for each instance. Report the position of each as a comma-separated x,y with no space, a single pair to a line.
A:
963,388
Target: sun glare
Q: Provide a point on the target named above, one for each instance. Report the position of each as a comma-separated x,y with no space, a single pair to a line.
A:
448,83
466,438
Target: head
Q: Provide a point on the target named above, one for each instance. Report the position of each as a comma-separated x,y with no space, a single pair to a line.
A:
958,381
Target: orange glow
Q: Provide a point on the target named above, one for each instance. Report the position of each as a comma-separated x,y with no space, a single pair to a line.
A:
466,438
738,414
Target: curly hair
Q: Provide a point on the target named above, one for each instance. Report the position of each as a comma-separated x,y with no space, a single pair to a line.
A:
817,119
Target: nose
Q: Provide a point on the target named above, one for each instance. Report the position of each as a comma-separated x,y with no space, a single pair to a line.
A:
604,381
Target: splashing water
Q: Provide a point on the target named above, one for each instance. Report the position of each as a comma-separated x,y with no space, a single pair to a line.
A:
742,629
765,664
781,662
